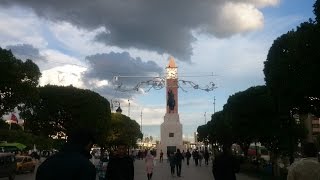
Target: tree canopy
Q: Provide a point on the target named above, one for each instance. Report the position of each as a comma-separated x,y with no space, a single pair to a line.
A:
291,67
18,82
63,109
249,116
123,131
316,10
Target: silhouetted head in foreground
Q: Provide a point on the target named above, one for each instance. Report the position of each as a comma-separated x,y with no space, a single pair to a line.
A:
83,138
309,150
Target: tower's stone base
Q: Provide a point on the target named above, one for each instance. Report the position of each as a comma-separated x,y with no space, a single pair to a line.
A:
171,134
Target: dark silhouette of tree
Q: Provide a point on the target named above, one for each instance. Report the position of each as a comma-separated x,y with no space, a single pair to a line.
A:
316,10
63,109
123,130
18,83
291,67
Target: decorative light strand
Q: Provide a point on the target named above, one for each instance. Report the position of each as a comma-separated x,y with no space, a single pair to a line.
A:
158,83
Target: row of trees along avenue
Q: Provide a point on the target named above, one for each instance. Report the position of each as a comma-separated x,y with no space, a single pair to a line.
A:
268,113
55,110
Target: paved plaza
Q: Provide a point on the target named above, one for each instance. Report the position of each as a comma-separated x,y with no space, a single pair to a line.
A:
162,172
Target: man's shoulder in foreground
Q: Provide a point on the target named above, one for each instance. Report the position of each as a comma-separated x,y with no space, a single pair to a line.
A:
305,168
64,166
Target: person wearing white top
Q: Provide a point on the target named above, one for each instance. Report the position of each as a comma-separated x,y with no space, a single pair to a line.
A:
307,168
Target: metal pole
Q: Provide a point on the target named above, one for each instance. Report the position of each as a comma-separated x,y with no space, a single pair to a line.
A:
128,108
205,117
214,104
141,121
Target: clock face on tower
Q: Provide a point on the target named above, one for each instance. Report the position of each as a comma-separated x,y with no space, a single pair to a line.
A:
172,73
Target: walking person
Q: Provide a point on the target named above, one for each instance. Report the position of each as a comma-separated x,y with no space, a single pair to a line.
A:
183,155
306,168
120,166
178,161
72,162
206,156
188,156
196,157
200,157
193,154
172,161
149,164
161,156
102,167
225,165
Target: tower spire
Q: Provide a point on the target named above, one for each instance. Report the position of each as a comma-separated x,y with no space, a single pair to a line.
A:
172,63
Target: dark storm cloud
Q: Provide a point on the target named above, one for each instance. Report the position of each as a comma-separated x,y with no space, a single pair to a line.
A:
107,66
25,51
164,26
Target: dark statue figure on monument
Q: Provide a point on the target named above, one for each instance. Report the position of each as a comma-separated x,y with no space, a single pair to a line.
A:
171,102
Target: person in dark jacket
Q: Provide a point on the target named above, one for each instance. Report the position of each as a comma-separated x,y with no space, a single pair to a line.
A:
178,160
120,165
188,156
196,157
206,156
225,165
172,163
72,162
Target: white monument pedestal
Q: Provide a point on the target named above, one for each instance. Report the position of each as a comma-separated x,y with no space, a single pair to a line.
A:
171,134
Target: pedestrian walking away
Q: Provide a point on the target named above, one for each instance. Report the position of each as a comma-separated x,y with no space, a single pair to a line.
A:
149,165
72,162
206,156
306,168
196,157
120,166
102,167
178,161
200,157
183,155
188,156
161,156
172,161
225,166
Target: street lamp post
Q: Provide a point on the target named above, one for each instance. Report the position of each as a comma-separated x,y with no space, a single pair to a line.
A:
141,121
214,104
128,108
205,117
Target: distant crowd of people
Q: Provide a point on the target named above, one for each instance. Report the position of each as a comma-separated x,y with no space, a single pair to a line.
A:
72,162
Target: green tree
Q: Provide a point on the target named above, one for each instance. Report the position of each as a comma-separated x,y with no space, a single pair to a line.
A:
249,112
18,83
28,139
316,10
63,109
220,129
123,130
15,126
290,70
291,67
203,132
3,124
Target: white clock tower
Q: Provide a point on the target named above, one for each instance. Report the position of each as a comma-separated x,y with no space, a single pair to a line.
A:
171,128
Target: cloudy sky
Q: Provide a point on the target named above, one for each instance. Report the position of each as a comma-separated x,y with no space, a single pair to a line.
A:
88,43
